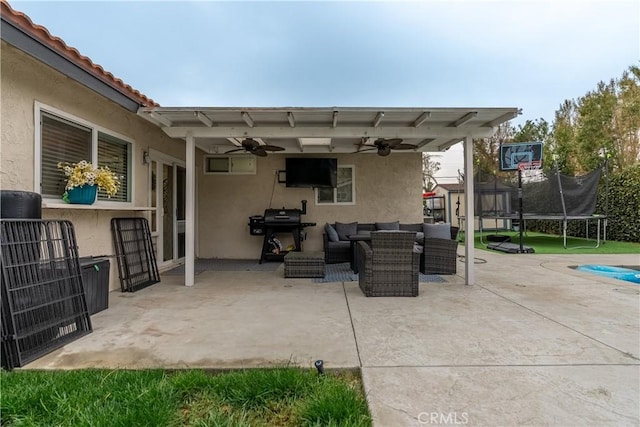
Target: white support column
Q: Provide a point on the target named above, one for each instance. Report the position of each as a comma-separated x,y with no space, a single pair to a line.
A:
468,212
190,213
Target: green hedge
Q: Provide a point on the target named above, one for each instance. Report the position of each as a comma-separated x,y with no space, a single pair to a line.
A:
623,223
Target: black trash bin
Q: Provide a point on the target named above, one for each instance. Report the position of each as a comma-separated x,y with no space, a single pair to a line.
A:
20,204
95,281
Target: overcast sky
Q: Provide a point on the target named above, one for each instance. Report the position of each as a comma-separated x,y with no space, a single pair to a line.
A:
527,54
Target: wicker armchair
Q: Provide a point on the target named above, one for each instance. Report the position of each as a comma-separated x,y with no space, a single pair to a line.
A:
390,266
439,256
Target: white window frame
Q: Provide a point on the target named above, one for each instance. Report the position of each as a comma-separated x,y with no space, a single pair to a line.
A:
40,108
335,190
230,165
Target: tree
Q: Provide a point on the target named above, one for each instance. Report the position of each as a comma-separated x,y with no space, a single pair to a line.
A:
486,150
532,130
594,125
605,120
562,140
626,120
429,169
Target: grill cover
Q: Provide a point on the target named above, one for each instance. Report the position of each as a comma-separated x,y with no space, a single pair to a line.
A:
281,217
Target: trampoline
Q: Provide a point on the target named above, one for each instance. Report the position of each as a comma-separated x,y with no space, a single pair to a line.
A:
548,197
600,221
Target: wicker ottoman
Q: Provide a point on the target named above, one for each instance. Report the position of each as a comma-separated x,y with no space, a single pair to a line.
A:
304,264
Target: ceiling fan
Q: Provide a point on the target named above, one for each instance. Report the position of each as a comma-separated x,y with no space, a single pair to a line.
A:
385,145
252,146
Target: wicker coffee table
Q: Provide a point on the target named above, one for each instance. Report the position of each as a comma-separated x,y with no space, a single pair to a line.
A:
304,264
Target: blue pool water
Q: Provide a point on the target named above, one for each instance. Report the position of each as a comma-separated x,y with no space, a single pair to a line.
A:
620,273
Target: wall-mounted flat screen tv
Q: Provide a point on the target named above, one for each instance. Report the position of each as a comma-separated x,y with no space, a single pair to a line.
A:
311,172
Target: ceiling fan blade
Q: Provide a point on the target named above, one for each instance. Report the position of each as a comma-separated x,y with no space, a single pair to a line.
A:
235,149
388,141
393,143
404,147
271,148
369,148
385,151
259,152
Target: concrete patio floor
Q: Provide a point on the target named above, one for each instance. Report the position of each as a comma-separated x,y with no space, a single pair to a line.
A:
533,343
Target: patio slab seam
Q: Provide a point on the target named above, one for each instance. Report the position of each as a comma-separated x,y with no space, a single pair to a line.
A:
624,353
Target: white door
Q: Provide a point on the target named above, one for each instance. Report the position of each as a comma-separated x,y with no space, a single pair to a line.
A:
167,187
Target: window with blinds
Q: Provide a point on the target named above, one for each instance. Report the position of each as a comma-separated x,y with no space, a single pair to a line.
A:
114,154
62,141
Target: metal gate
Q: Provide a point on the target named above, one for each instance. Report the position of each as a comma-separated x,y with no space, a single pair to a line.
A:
137,266
43,301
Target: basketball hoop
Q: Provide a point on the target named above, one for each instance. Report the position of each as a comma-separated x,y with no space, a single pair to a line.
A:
529,166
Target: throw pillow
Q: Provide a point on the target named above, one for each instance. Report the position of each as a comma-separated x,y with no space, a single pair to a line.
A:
344,230
332,234
388,225
437,231
420,237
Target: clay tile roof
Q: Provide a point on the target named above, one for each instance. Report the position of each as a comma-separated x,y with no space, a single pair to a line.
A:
41,34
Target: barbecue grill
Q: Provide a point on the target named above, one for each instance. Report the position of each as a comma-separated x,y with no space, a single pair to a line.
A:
281,221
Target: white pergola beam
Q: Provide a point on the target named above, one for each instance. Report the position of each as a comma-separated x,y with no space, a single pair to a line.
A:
204,119
334,123
292,119
464,119
160,119
247,119
503,118
235,141
448,144
323,132
420,120
378,119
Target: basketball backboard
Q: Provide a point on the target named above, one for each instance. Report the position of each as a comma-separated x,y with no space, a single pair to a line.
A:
514,153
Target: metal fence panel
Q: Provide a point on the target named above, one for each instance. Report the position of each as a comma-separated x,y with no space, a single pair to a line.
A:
43,301
137,265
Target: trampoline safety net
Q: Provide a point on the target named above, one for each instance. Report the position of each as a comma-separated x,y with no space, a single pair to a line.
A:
555,194
43,300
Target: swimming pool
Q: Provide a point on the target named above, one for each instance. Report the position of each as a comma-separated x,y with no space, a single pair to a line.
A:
620,273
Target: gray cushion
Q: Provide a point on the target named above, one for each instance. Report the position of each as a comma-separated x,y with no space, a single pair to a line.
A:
332,234
438,231
344,230
339,245
388,225
420,237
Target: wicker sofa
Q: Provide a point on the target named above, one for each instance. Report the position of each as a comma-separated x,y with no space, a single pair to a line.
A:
438,255
340,251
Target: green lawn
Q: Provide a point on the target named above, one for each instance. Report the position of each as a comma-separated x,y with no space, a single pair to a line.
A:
552,244
259,397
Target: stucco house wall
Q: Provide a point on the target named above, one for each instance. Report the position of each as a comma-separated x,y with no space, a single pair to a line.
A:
25,81
387,189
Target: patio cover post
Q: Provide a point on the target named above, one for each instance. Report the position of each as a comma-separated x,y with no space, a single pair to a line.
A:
190,209
468,211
